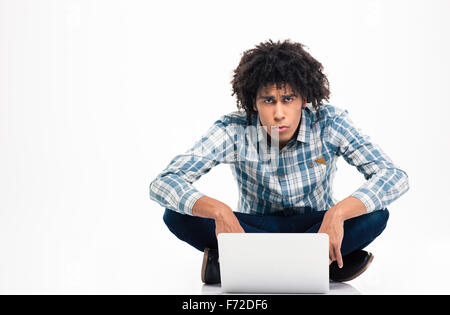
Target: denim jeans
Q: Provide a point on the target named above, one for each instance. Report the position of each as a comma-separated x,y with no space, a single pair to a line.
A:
200,232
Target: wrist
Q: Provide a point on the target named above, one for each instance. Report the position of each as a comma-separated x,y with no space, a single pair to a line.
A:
207,207
348,208
221,212
336,214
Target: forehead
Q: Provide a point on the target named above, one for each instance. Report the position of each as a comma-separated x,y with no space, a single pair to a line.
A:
271,89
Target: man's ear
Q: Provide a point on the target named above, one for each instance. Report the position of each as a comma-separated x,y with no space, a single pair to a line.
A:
304,103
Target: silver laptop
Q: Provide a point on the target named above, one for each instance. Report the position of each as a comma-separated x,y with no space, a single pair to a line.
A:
274,262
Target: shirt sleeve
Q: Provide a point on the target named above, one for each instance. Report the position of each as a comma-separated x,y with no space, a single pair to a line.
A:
173,187
385,182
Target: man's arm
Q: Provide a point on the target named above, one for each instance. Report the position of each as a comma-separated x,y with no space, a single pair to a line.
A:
173,188
385,182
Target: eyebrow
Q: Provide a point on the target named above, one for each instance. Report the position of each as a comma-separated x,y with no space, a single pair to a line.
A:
284,96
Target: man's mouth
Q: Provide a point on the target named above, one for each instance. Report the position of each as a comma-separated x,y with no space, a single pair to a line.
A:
281,129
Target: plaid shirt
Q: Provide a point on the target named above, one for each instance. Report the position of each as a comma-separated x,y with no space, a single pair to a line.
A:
299,175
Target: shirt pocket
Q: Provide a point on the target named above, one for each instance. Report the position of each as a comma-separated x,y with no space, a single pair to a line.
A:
318,168
313,172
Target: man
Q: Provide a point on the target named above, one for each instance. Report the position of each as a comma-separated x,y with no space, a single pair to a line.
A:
282,151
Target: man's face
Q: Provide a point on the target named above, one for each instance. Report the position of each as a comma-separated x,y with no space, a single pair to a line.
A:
279,108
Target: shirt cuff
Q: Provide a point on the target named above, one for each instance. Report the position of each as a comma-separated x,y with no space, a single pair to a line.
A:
188,200
369,199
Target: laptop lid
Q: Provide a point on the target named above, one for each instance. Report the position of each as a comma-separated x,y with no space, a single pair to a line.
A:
274,262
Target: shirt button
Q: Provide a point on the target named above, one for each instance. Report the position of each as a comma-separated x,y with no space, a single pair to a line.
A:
283,175
310,165
286,198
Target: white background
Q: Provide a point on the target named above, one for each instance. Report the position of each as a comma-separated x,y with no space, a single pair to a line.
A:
96,97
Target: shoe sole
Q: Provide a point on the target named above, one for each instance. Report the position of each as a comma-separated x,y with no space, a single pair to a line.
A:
360,271
205,261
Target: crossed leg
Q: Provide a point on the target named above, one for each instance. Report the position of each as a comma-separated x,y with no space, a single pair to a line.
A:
200,232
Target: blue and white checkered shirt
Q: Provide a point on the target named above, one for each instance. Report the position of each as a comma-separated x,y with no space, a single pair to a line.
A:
299,175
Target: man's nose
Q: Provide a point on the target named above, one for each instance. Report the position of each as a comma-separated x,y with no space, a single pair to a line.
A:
279,114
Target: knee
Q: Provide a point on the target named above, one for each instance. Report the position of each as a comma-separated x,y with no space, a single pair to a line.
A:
383,215
381,218
172,219
166,216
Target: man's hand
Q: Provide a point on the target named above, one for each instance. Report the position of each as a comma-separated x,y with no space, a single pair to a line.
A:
333,225
226,222
222,214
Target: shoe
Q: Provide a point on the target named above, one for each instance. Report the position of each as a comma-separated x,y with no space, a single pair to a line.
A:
210,266
355,264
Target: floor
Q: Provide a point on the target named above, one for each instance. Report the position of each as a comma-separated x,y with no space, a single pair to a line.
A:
419,269
153,261
335,289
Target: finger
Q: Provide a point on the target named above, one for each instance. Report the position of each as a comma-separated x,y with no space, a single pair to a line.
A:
339,257
332,257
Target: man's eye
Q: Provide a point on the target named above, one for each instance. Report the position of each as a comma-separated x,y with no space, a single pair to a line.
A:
289,99
268,100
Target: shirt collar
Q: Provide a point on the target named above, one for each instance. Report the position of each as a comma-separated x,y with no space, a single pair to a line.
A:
304,133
